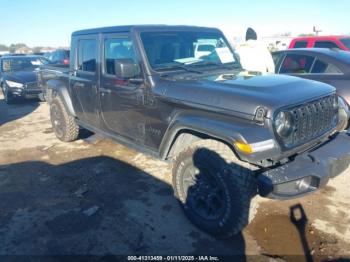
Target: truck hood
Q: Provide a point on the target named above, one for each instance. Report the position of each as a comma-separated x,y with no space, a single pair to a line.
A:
23,77
242,95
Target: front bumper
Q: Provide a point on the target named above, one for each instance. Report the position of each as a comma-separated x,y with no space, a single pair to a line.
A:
308,171
26,92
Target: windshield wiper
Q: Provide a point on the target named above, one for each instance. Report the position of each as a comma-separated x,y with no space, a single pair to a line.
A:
183,67
212,63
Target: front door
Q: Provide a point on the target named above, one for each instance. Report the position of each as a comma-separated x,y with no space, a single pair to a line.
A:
121,101
84,83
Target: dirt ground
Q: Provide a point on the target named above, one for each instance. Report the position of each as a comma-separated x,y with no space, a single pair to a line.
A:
96,197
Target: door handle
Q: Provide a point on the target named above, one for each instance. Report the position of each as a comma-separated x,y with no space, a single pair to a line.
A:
105,91
77,84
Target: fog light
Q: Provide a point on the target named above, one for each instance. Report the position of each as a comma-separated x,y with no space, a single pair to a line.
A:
303,184
297,187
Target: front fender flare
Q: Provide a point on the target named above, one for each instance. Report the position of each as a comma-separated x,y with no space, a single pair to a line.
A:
226,130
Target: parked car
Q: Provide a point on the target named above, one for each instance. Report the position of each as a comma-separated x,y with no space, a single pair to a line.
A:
336,42
39,53
12,54
229,136
59,57
18,77
324,65
203,49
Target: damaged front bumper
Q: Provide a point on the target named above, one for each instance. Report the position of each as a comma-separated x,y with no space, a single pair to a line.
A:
308,171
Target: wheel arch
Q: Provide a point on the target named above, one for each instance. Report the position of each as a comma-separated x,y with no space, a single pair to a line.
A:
186,137
58,88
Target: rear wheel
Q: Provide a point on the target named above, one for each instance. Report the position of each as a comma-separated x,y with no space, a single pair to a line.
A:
63,124
214,189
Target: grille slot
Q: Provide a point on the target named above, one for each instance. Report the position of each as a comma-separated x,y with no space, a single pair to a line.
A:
312,120
32,86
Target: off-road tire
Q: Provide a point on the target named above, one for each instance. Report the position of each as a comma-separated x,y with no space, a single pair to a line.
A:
235,178
42,97
9,99
63,124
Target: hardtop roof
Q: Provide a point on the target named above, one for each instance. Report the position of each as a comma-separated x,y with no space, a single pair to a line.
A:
128,28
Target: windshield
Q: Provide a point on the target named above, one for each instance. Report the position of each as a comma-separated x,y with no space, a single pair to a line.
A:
346,42
179,50
22,63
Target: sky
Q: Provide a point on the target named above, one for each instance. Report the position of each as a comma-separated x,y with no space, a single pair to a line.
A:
51,22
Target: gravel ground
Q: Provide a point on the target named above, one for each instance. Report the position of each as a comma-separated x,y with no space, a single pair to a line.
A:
96,197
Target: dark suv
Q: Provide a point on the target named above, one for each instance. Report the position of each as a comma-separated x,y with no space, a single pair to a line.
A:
18,77
59,57
228,134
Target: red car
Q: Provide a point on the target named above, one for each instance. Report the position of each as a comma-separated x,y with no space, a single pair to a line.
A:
338,42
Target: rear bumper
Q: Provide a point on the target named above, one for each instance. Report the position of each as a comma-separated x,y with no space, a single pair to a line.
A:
308,171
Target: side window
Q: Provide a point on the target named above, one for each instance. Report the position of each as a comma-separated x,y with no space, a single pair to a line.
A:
277,58
325,44
321,67
296,64
50,57
54,57
87,55
117,49
300,44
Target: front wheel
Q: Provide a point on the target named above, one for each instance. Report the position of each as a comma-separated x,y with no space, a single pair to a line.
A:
42,97
214,192
9,99
63,124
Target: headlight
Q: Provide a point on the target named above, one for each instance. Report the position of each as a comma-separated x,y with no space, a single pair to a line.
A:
14,84
284,124
343,105
343,114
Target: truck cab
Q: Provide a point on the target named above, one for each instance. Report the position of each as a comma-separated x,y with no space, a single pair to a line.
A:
230,135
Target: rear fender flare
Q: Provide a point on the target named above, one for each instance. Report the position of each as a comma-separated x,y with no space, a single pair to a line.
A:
56,87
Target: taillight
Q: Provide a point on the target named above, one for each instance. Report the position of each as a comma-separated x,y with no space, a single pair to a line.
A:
66,61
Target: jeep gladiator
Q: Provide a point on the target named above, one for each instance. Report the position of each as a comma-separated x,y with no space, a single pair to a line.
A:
230,135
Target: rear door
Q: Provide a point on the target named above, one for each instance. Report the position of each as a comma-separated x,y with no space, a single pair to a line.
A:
85,80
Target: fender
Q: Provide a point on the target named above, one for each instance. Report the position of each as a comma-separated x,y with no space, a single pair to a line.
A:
225,129
58,87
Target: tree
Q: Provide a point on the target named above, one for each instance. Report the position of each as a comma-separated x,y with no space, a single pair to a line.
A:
4,48
309,34
37,49
14,47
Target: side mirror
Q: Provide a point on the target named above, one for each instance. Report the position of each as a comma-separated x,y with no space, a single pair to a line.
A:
126,69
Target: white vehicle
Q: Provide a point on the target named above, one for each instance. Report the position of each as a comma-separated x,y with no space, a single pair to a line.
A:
203,49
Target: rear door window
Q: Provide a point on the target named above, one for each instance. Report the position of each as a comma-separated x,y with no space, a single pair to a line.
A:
321,67
297,64
346,42
87,55
325,44
300,44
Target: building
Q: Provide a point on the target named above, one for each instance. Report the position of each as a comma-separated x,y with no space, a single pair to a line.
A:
275,43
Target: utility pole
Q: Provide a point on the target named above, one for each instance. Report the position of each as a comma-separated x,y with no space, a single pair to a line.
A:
316,31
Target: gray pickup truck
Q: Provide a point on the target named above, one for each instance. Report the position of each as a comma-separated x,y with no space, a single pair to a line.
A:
230,135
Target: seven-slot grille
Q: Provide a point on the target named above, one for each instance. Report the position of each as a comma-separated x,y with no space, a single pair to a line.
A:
312,120
32,86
